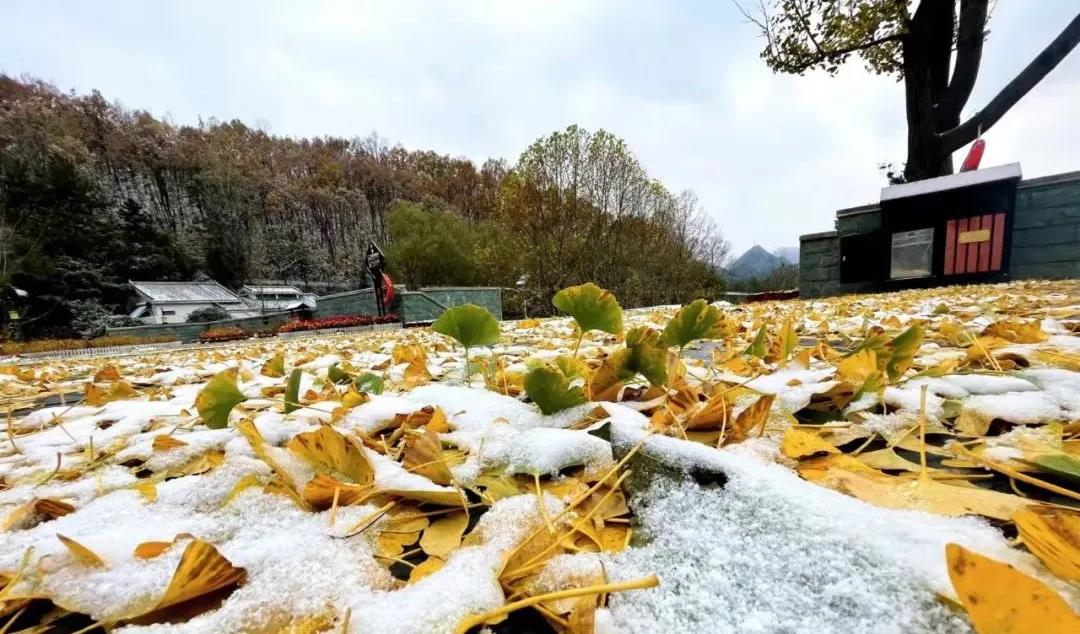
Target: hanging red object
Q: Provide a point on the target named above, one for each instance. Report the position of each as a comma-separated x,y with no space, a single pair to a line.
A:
388,284
974,156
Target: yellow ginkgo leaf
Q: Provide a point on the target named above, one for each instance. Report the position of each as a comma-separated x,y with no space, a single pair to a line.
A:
582,618
262,449
149,550
753,417
116,391
924,495
613,538
416,373
275,366
438,422
332,452
800,444
444,535
148,490
106,374
856,368
165,442
319,492
887,459
81,553
999,599
352,398
715,413
202,570
425,568
405,353
1053,534
423,456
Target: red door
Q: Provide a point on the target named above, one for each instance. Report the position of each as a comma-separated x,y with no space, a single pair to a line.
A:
974,244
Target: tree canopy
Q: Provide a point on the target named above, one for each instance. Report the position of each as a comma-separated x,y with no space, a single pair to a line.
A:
93,195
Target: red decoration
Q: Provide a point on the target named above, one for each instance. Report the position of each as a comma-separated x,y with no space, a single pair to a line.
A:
974,156
388,284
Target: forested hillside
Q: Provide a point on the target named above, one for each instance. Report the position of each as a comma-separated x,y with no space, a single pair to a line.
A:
93,194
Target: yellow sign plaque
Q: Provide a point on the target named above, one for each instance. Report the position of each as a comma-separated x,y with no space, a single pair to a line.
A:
980,235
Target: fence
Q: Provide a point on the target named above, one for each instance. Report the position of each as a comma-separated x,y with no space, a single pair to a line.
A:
413,307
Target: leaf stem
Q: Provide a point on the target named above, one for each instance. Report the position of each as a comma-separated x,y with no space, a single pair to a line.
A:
637,584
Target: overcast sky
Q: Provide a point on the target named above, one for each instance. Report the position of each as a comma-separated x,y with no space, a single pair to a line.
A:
770,156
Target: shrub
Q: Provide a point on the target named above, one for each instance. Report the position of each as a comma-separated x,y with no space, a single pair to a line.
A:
210,313
227,333
128,340
54,345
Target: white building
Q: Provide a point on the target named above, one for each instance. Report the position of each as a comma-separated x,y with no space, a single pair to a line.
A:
272,299
172,302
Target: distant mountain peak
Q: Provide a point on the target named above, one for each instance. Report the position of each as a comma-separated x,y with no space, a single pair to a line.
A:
755,262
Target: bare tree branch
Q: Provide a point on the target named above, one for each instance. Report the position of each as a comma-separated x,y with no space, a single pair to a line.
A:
819,54
1028,78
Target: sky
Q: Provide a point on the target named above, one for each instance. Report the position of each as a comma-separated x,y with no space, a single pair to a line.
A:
769,156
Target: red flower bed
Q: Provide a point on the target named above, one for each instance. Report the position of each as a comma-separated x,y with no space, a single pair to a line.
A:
344,321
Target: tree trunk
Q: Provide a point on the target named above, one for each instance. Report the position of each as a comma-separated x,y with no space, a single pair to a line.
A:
926,157
927,53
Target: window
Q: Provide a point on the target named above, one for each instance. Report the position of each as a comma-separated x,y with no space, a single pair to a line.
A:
166,313
912,253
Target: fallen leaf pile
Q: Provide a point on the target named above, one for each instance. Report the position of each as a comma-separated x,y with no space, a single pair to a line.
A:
442,479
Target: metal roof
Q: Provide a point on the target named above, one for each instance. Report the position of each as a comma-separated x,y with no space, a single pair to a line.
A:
181,292
259,289
1010,171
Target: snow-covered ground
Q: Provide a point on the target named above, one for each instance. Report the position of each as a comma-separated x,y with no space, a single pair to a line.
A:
417,509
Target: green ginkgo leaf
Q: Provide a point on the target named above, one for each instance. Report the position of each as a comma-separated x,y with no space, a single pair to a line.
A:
902,351
759,346
469,324
337,375
647,354
696,320
216,401
369,383
551,390
1061,464
874,384
572,368
292,391
592,308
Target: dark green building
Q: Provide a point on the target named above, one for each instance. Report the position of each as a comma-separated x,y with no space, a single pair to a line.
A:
980,226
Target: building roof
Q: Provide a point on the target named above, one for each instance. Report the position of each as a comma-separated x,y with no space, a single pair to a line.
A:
952,181
185,292
260,289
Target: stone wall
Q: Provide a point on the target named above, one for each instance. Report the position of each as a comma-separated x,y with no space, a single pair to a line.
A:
1046,230
819,264
1045,237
